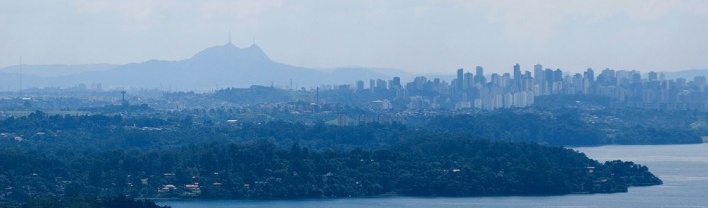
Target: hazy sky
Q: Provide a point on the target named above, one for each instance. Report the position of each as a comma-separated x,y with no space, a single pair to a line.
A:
420,36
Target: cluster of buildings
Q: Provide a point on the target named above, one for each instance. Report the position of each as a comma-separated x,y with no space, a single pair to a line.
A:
521,88
472,90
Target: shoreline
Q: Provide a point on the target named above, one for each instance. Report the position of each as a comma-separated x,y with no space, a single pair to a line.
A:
383,196
161,201
705,140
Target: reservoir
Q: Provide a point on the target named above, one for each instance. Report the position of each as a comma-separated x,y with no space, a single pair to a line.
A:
683,168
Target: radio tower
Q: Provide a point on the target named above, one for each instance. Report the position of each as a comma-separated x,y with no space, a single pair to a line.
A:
123,101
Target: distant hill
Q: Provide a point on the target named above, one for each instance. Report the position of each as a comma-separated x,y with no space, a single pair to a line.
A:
213,68
44,75
686,74
56,69
13,81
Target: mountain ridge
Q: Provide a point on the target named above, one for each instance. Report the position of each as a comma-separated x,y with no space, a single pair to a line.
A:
212,68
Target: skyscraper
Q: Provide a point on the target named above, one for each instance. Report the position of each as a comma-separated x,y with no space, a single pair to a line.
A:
496,80
517,75
558,75
653,76
548,76
460,79
396,82
468,81
538,73
479,76
590,75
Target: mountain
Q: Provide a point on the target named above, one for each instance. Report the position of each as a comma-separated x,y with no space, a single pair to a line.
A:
212,68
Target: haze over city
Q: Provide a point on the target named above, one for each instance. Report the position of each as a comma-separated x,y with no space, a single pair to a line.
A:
413,36
353,103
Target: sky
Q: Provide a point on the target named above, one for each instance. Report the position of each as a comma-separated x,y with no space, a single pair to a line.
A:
417,36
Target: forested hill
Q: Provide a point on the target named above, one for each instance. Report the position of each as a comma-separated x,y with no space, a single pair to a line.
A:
428,166
569,128
95,133
189,156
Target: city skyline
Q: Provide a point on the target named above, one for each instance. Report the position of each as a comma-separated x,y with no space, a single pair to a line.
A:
414,36
226,72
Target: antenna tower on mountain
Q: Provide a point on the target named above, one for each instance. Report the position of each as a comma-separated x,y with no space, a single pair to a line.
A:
229,36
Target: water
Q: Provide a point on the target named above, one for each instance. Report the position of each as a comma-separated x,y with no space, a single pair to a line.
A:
683,168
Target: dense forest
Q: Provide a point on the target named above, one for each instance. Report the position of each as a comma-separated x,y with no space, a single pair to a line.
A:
428,166
98,132
258,94
505,153
569,128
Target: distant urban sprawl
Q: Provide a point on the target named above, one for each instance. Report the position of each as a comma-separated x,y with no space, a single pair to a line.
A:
520,89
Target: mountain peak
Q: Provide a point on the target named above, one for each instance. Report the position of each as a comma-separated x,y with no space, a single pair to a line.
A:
229,44
256,53
231,52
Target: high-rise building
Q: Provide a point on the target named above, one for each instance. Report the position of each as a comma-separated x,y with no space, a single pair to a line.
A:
548,76
359,85
589,75
526,81
496,79
517,75
479,76
460,79
538,73
437,84
381,84
468,81
636,78
396,82
505,80
653,76
557,75
607,77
